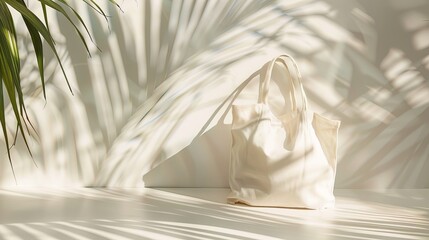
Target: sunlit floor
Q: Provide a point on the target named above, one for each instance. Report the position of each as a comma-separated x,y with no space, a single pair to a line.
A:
196,213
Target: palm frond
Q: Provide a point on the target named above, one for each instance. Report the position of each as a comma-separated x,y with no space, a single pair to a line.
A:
10,60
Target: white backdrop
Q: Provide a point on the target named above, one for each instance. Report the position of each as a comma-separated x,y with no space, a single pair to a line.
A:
152,107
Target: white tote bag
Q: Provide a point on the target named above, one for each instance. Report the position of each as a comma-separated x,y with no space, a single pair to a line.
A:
282,161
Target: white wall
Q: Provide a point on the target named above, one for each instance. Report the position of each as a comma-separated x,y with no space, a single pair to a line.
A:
168,71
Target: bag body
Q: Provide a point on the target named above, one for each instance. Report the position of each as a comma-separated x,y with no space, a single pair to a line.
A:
282,161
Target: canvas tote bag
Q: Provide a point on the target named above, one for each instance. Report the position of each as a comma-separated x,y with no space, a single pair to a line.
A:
282,161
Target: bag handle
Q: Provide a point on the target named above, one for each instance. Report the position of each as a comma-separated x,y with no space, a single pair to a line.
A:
264,84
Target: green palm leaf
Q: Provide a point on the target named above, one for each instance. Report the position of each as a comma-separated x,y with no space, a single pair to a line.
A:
9,67
10,59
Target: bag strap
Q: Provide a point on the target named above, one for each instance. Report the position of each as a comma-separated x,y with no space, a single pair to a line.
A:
264,83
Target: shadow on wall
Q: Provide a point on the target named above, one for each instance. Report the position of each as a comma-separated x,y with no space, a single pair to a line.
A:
206,158
144,47
384,85
384,131
167,66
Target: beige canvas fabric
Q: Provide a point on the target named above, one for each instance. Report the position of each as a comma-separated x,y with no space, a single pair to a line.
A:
286,160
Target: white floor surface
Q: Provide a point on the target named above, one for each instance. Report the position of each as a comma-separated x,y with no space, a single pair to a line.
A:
198,213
